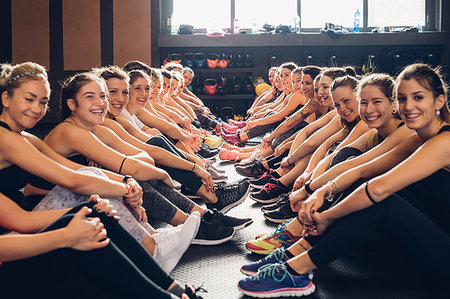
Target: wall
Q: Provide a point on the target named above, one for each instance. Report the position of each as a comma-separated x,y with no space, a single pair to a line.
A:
68,36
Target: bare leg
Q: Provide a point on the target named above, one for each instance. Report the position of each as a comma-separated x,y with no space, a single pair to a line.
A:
206,195
299,247
290,177
149,244
302,263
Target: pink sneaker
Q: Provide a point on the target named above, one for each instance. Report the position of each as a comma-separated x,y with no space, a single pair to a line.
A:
233,139
240,124
229,127
230,155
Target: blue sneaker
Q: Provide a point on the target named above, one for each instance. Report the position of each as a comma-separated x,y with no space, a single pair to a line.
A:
274,257
274,280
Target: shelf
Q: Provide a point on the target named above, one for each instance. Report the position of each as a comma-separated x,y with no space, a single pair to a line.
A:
246,97
226,70
303,39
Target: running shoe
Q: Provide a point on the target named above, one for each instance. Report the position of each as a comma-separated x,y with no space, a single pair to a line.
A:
236,223
270,193
260,182
254,169
274,280
213,141
276,256
207,153
240,124
273,206
230,196
233,139
281,237
212,233
281,214
229,155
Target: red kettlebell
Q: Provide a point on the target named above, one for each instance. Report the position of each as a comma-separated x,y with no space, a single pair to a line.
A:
211,86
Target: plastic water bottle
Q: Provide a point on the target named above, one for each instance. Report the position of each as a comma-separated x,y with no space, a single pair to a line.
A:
254,26
356,21
236,26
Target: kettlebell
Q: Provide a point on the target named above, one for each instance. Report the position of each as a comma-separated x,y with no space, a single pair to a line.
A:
175,58
248,84
236,84
188,60
210,86
212,60
222,86
166,60
199,60
248,61
231,61
223,62
238,63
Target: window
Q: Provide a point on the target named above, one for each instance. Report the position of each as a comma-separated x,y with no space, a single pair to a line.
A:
318,12
209,14
265,11
216,14
396,13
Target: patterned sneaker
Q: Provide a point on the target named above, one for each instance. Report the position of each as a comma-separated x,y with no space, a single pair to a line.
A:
269,194
263,180
274,280
240,124
273,206
207,153
254,169
280,237
213,141
281,214
274,257
230,196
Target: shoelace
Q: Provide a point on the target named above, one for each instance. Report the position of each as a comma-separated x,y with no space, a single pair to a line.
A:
277,254
278,231
271,270
269,186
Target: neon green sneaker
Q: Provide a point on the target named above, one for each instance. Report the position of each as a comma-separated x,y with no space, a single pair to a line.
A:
213,141
281,237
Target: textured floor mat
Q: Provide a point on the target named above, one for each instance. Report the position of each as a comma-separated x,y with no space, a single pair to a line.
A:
375,271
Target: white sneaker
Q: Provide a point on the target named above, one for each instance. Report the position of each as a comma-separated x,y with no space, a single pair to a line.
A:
257,154
172,243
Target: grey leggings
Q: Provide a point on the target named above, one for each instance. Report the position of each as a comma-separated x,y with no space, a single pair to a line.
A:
162,201
60,198
261,130
277,141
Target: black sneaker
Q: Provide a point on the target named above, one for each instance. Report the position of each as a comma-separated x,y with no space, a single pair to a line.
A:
255,169
230,196
188,193
273,206
212,233
259,183
192,292
281,214
269,194
236,223
207,153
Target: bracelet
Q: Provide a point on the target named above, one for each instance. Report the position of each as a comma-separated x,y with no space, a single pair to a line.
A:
336,185
368,194
308,188
290,157
195,164
329,194
121,164
126,178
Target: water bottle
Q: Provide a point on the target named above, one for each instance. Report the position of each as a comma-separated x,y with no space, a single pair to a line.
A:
236,26
356,21
254,26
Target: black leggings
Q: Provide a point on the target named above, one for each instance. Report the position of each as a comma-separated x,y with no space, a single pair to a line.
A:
123,269
185,177
419,235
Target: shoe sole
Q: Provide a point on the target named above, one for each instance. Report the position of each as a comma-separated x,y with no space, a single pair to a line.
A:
192,196
248,273
259,187
236,203
265,201
243,225
267,210
275,220
220,180
212,242
262,252
285,292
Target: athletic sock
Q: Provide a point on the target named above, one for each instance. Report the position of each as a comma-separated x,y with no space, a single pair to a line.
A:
289,254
